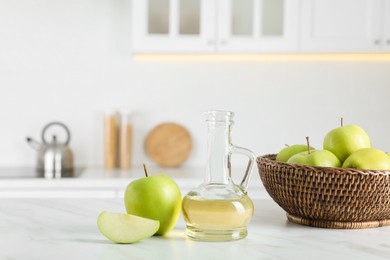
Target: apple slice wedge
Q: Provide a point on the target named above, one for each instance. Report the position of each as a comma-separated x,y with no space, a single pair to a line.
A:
125,228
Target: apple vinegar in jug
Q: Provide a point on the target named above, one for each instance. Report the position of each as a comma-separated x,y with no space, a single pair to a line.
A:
218,209
217,215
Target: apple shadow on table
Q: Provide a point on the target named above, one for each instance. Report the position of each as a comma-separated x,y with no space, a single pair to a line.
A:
175,234
102,241
94,241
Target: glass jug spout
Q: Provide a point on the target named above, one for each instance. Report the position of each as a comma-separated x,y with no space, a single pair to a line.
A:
220,149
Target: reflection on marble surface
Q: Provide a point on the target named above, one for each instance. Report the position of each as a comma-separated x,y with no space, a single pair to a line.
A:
66,229
31,172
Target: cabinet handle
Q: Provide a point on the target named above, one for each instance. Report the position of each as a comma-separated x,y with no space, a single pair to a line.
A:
377,42
210,42
388,42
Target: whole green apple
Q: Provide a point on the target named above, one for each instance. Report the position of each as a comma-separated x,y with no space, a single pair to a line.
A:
368,159
289,151
156,197
344,140
316,158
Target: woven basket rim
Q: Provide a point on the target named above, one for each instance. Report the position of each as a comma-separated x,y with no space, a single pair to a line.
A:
270,159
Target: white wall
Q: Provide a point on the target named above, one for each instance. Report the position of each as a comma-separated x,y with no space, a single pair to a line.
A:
70,60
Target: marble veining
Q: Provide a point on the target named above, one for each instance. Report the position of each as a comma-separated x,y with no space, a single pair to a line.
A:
66,229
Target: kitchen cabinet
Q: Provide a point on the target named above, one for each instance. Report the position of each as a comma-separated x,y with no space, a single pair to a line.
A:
258,26
386,38
344,26
173,26
261,26
215,26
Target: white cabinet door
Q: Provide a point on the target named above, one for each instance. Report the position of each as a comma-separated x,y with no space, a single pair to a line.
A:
173,26
386,36
341,25
257,26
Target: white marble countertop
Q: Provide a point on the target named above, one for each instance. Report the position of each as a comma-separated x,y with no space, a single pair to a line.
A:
66,229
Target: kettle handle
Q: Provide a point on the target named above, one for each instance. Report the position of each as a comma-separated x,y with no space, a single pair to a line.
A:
56,123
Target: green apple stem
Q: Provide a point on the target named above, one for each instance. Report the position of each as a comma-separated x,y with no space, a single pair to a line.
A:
308,145
341,122
286,145
146,172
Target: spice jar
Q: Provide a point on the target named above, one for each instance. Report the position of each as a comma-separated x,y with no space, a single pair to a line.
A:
125,135
110,139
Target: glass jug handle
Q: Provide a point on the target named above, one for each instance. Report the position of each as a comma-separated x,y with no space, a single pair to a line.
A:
248,171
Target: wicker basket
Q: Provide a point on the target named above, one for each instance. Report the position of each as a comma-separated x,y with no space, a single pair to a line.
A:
328,197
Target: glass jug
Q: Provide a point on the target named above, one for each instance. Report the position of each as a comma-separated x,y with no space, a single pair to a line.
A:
218,209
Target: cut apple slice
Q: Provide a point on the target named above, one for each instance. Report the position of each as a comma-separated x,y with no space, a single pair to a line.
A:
126,228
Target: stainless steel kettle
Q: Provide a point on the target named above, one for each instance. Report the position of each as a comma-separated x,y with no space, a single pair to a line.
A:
54,159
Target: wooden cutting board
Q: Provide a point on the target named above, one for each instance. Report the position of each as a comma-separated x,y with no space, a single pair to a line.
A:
168,144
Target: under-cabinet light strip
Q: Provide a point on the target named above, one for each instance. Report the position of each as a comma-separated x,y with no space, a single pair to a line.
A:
264,57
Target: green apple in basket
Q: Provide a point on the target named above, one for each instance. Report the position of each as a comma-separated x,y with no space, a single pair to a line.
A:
368,159
154,197
289,151
315,158
344,140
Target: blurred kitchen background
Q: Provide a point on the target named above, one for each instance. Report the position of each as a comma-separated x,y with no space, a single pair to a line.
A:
71,60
